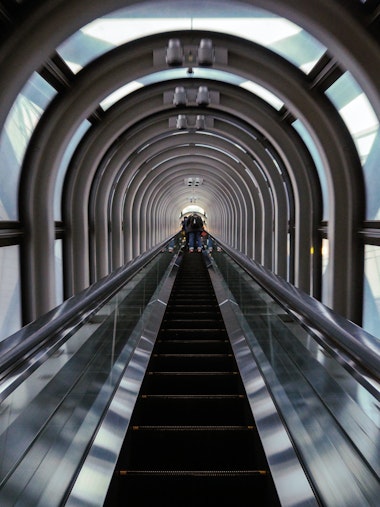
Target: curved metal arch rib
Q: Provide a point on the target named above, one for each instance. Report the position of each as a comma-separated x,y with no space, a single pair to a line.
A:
314,110
147,128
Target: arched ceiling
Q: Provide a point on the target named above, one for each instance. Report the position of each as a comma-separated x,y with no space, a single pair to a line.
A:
259,185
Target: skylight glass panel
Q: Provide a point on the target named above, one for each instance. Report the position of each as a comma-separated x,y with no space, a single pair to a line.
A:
119,31
120,93
275,33
263,93
354,107
71,147
247,22
25,114
309,142
363,125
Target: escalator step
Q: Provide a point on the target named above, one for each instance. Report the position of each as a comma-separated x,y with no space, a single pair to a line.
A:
186,334
197,473
178,410
192,383
192,346
194,449
208,313
194,428
196,323
192,362
199,488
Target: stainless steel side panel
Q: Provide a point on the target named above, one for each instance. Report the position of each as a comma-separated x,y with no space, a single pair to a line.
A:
292,485
91,485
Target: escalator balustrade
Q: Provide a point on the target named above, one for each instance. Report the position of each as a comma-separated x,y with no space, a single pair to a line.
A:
192,439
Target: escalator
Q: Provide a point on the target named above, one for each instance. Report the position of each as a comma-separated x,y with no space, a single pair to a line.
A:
141,390
192,438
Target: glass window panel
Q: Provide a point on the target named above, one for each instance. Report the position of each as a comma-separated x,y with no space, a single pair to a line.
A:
14,138
325,268
371,301
58,271
258,25
64,165
278,34
10,297
263,93
307,139
361,121
120,93
372,179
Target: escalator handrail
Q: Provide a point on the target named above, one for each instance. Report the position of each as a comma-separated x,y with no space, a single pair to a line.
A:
363,347
47,328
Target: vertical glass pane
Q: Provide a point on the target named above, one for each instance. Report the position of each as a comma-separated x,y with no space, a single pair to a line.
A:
325,266
63,168
371,303
363,125
10,297
372,180
307,139
14,138
58,271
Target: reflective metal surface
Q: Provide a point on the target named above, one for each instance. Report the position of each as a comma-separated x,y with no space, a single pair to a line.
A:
48,421
329,326
27,349
61,430
288,475
91,485
332,416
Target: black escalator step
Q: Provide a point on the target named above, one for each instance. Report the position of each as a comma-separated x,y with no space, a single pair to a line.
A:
192,302
194,373
192,449
194,396
192,362
193,298
194,473
196,323
199,410
188,284
181,307
193,428
189,488
184,314
192,346
194,295
194,355
201,312
208,315
205,304
186,334
192,383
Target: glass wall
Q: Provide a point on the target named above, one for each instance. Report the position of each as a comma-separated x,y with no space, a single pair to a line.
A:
361,121
10,296
58,270
325,265
307,139
21,121
63,168
371,306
